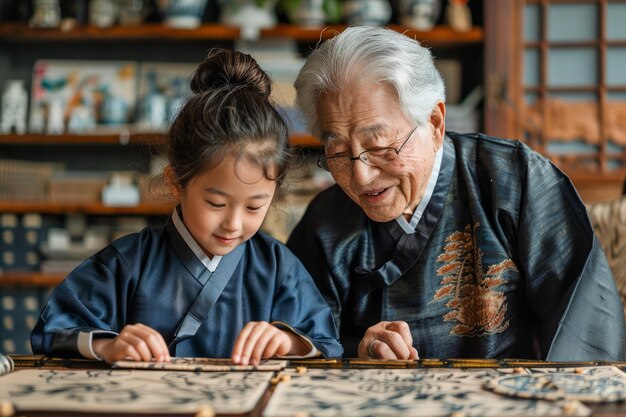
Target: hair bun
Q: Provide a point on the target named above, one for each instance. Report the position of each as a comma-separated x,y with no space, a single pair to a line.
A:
225,68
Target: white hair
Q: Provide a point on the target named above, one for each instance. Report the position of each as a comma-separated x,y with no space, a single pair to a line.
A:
372,55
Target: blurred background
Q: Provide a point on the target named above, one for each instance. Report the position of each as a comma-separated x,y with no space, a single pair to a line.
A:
89,87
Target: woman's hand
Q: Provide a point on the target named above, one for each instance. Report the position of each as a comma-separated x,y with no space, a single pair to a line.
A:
136,342
388,340
260,340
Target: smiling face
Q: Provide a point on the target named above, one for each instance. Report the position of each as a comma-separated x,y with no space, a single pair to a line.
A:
368,116
224,206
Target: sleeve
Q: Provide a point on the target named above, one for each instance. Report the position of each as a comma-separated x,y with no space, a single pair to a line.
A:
299,305
568,280
92,299
84,342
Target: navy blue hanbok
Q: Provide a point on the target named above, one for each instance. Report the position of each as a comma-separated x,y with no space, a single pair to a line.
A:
155,278
502,264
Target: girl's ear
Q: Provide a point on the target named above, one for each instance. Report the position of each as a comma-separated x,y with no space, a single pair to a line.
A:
172,182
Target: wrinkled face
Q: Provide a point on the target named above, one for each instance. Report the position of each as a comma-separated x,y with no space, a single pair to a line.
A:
221,209
369,116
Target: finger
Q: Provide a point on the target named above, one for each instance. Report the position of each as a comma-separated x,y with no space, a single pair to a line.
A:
255,333
372,333
251,342
153,340
167,357
240,342
362,350
381,350
137,343
414,354
403,329
369,353
114,349
289,343
261,344
396,343
156,345
121,350
275,345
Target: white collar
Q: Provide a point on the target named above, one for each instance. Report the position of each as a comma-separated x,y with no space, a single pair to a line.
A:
210,264
410,226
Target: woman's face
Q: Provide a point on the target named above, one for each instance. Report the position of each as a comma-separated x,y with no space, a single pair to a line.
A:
367,116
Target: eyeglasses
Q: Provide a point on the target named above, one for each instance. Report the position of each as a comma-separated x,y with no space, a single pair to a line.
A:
376,157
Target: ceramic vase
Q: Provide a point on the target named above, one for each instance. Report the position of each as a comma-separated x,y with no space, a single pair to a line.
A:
249,17
308,13
419,14
367,12
102,13
47,14
56,122
114,110
182,14
246,13
132,12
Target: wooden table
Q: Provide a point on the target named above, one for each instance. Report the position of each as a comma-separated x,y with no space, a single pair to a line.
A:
323,367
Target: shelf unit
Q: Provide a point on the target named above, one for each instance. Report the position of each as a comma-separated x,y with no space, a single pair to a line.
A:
440,36
46,207
148,139
18,37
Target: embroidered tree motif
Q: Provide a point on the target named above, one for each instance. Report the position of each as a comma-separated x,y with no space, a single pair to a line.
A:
476,305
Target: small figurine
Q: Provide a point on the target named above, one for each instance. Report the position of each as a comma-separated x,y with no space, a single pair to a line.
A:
458,15
14,104
56,121
47,14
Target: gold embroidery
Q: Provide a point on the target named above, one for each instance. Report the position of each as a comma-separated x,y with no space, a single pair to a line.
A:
476,306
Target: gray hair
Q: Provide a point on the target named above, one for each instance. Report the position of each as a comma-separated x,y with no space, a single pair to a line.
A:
375,55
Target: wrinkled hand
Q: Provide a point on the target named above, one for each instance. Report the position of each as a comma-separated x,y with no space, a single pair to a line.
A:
388,340
136,342
260,340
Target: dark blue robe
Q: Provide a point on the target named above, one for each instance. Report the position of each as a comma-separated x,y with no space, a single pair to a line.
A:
503,264
154,278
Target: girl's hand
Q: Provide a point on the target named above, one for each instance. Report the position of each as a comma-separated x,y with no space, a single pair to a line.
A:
136,342
260,340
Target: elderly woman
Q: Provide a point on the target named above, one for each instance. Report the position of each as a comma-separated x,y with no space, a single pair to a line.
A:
435,242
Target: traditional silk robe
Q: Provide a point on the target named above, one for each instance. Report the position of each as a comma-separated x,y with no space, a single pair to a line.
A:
503,262
153,277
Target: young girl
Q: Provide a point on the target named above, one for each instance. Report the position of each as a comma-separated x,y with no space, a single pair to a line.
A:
205,284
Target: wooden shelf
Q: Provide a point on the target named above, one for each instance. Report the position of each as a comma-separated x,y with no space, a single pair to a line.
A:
149,139
46,207
19,33
30,279
84,139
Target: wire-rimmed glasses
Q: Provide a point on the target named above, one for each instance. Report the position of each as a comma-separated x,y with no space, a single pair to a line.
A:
374,157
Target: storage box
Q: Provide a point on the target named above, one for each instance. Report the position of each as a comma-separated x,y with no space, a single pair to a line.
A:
77,187
25,180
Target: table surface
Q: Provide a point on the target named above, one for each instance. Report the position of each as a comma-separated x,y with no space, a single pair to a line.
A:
39,362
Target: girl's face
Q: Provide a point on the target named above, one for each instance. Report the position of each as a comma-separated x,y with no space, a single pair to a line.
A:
225,206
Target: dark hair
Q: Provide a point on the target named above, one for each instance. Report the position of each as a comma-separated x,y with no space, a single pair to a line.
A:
230,113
